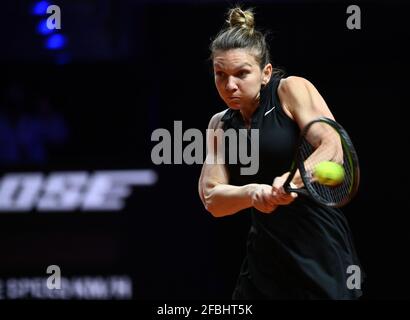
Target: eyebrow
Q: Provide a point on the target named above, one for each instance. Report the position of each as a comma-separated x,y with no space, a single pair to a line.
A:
246,64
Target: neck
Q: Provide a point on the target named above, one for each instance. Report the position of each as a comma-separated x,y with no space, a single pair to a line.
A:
247,112
247,116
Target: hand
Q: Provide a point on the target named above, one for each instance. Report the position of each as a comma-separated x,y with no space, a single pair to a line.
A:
263,199
281,197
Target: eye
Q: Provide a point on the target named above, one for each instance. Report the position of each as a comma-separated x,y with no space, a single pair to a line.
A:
219,74
242,74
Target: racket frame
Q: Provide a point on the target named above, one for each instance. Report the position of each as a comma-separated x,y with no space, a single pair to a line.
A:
298,163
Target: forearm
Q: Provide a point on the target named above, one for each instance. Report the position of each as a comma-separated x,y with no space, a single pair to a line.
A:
224,199
328,150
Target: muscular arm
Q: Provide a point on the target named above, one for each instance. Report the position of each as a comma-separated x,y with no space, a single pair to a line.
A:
218,196
304,103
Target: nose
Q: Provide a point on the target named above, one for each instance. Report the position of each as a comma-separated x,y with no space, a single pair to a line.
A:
231,84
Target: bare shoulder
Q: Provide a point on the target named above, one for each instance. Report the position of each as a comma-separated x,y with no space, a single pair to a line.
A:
302,100
215,122
293,85
291,91
296,91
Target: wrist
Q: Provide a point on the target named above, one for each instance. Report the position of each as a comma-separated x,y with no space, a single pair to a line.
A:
250,192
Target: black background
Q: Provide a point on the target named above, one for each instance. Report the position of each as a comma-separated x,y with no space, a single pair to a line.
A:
150,69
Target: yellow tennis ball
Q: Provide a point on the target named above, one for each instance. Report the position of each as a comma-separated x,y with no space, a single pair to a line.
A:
329,173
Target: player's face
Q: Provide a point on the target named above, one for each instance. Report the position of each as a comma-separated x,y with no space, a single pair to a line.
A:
238,77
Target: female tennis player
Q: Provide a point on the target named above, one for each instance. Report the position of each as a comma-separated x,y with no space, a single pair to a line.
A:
296,248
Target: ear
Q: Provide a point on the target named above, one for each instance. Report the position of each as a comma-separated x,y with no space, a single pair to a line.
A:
266,74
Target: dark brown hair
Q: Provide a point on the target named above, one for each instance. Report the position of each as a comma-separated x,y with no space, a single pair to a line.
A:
241,34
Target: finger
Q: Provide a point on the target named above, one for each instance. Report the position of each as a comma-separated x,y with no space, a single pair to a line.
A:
268,201
277,183
286,198
277,186
291,197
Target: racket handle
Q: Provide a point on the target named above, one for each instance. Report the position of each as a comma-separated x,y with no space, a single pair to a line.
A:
288,186
301,191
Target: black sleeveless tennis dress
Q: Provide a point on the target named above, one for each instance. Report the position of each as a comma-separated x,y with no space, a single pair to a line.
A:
302,250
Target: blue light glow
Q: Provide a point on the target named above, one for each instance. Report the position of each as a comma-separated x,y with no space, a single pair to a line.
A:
40,8
42,28
55,42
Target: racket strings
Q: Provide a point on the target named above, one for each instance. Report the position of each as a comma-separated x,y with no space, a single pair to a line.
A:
311,156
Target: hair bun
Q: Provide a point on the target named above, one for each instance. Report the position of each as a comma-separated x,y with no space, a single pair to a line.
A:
239,18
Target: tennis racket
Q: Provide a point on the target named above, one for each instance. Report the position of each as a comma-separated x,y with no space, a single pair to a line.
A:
310,152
